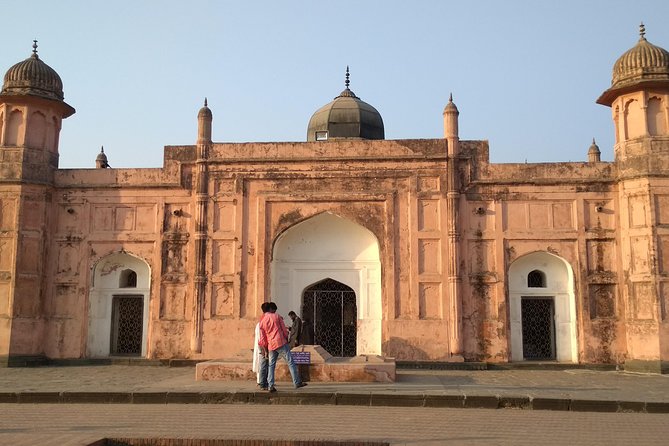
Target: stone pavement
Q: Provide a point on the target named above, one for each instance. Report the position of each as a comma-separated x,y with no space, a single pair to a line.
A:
579,390
85,424
589,408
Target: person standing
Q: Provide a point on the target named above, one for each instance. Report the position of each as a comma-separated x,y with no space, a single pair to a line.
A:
274,343
259,357
295,330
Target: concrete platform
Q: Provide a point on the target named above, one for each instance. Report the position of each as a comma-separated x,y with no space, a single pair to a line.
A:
322,367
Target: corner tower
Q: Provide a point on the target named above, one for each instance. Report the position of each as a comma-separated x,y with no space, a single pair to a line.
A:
31,111
639,99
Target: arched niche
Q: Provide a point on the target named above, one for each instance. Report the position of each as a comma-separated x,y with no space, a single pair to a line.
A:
118,312
657,117
634,120
14,128
36,132
538,312
327,246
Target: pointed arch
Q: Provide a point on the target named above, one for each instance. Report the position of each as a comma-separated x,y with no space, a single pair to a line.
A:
119,314
550,309
329,246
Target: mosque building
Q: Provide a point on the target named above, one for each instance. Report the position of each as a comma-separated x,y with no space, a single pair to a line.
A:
421,250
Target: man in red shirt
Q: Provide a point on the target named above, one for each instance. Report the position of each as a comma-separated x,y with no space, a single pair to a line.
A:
274,343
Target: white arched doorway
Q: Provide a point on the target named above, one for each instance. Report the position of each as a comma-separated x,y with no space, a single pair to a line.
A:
330,247
542,308
118,312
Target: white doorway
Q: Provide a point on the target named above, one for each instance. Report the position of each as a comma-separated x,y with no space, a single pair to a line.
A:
327,246
542,309
118,311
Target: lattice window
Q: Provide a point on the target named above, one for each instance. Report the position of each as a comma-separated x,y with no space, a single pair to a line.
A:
329,310
127,321
538,328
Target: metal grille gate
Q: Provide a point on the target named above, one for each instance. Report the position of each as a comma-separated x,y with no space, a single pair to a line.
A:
127,319
538,328
330,307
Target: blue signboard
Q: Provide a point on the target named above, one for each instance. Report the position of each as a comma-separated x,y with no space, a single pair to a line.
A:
301,357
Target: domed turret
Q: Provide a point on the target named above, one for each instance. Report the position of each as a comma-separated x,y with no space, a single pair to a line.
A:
346,117
594,154
205,111
101,160
204,118
33,77
645,64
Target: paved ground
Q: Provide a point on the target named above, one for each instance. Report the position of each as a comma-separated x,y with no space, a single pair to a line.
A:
80,424
335,411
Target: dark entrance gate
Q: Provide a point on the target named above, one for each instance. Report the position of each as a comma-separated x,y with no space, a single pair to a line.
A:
126,327
329,307
538,327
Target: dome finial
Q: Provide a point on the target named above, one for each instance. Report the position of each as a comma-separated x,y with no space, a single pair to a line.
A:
35,49
102,149
642,32
450,97
348,82
205,101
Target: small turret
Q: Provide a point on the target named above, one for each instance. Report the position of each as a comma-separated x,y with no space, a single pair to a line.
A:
101,159
204,118
594,153
451,124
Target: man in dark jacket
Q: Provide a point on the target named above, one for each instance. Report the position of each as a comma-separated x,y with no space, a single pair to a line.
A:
295,331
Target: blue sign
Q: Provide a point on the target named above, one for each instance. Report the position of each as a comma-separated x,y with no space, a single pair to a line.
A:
301,357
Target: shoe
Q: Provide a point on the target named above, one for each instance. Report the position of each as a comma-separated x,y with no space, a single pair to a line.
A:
300,385
272,389
263,388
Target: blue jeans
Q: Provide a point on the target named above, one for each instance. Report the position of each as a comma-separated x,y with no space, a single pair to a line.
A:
262,373
284,352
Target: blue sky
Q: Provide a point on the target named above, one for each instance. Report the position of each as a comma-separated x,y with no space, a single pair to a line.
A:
524,74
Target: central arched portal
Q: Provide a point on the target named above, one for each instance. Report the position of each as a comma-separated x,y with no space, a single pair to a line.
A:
329,316
542,309
323,252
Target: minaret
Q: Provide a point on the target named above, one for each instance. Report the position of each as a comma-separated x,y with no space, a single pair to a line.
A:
204,118
31,111
639,99
451,114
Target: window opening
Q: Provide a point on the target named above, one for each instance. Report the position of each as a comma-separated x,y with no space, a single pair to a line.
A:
536,279
127,279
